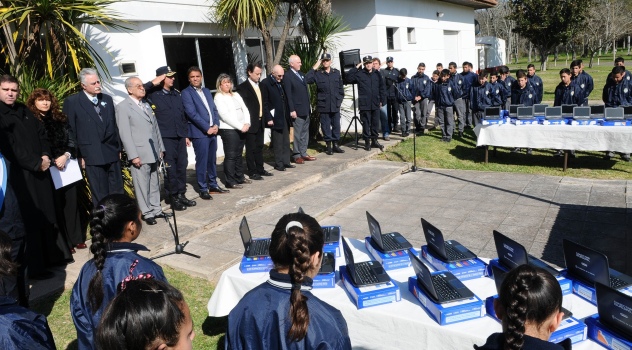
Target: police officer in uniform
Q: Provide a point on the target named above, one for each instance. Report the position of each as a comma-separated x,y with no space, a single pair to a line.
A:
166,102
330,94
391,74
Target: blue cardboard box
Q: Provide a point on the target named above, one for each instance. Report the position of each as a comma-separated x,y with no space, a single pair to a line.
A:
390,261
463,270
524,122
565,283
588,292
333,248
569,328
447,313
325,280
256,264
493,121
385,293
605,336
615,122
585,122
553,122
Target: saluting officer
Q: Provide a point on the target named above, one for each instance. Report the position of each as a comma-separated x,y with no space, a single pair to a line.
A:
166,102
330,94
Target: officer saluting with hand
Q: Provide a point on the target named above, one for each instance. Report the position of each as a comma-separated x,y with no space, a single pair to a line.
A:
330,94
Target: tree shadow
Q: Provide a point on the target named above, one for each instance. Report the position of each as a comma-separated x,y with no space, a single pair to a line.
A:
214,326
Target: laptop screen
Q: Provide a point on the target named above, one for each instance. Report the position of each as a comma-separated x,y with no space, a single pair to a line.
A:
585,263
510,253
499,277
513,109
627,110
598,109
568,109
539,109
615,309
423,273
553,111
434,237
525,111
374,227
614,113
581,112
492,111
348,258
244,230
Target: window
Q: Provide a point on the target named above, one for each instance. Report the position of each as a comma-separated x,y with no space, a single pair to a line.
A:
392,39
411,36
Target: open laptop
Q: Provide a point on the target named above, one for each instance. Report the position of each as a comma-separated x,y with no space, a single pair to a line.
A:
615,310
253,247
613,113
513,110
567,110
553,113
581,113
499,277
366,273
331,233
388,242
447,251
597,111
492,113
512,254
329,263
525,113
539,109
441,287
590,266
627,112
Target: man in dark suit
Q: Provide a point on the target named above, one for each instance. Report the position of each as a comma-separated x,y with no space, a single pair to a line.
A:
277,117
298,101
93,124
253,97
203,127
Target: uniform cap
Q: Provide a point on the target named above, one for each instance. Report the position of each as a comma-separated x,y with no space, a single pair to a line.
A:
325,57
367,59
165,70
389,59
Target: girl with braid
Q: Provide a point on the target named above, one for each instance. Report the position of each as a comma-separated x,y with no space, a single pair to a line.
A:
530,307
281,313
116,223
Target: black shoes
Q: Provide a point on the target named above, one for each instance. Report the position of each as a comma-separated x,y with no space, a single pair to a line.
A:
279,168
245,181
235,186
289,166
266,173
176,205
405,134
205,195
151,221
375,144
337,149
367,145
217,190
186,202
162,215
328,150
256,177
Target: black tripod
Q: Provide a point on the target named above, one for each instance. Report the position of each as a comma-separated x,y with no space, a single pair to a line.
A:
353,120
179,248
414,167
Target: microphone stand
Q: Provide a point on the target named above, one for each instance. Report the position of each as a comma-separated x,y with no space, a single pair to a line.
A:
414,167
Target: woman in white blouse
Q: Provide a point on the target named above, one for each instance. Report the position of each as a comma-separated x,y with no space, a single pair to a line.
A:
234,123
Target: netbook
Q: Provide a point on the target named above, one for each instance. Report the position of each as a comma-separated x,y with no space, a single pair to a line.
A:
597,111
567,110
581,113
499,277
331,233
512,254
388,242
513,110
366,273
447,251
627,112
590,266
328,264
553,113
525,113
253,247
614,113
441,287
492,113
615,310
539,109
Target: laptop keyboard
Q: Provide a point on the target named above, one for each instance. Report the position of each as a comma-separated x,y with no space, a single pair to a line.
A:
365,274
260,247
617,283
444,290
390,243
454,254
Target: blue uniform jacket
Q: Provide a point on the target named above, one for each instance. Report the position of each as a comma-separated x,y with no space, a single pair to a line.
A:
457,83
568,95
538,86
524,96
406,90
21,328
260,320
499,90
117,266
585,82
329,89
508,85
470,79
444,94
422,85
615,95
390,79
169,111
496,340
196,112
371,89
481,97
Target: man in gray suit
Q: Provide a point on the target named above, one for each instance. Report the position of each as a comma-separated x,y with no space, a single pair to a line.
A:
141,139
300,108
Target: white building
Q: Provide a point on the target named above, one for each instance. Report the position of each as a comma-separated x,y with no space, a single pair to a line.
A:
181,34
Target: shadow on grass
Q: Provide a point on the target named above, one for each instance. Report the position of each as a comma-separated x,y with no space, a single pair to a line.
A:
214,326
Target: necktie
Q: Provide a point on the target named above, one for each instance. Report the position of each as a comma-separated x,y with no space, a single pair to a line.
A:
95,102
258,93
299,76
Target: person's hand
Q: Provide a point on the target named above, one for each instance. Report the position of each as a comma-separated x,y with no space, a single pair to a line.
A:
215,130
158,79
359,65
120,155
45,163
293,114
317,64
60,162
270,123
136,162
162,155
245,128
417,98
188,141
209,131
82,162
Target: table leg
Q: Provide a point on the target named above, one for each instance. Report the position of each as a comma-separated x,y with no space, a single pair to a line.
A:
565,159
486,154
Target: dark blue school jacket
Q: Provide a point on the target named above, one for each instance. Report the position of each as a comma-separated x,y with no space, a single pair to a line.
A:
444,94
406,90
117,265
21,328
499,90
585,82
260,320
481,97
470,79
568,95
526,96
538,86
496,340
508,85
457,83
615,95
422,85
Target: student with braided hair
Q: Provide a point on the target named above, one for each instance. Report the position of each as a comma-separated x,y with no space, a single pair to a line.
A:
116,223
530,307
281,313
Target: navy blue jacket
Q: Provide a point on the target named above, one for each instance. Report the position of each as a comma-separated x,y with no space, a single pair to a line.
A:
196,112
585,82
21,328
568,95
469,79
457,83
526,96
422,85
406,90
297,93
499,90
329,88
371,89
390,79
260,320
496,340
117,266
481,97
444,94
538,86
615,95
274,98
508,84
169,111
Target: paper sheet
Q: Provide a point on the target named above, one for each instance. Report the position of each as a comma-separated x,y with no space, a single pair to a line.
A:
69,175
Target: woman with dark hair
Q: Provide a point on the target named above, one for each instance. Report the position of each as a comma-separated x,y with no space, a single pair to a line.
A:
115,224
281,313
45,107
234,124
530,307
146,314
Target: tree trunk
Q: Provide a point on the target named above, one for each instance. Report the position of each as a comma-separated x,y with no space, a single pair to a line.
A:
284,33
544,55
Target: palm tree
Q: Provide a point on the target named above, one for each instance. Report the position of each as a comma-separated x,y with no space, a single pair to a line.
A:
47,34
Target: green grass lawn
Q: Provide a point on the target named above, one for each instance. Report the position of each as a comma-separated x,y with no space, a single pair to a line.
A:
463,154
209,332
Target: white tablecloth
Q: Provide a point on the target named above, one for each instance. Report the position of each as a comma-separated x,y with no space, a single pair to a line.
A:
402,325
568,137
